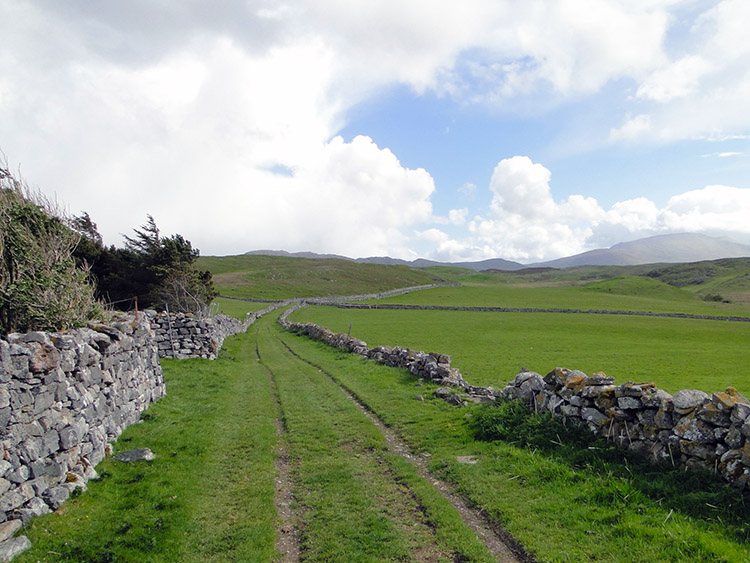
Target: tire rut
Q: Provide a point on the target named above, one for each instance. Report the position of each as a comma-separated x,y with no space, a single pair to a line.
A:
495,538
288,542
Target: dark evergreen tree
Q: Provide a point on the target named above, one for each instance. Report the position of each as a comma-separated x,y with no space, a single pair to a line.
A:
159,271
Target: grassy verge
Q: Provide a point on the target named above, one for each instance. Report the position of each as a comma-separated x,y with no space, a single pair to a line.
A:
357,501
561,510
208,495
490,348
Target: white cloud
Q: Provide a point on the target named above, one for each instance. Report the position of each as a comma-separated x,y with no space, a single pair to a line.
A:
566,47
468,190
458,216
704,93
633,128
713,209
528,225
677,80
221,121
723,154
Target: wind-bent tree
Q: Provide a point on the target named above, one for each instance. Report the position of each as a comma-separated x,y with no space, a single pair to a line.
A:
159,270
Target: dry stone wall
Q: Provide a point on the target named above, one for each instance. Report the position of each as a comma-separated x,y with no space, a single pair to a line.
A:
690,428
63,398
183,335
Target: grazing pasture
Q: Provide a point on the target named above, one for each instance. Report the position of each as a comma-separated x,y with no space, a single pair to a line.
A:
619,294
275,277
490,348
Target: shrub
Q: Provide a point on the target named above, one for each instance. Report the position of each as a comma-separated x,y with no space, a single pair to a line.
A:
40,286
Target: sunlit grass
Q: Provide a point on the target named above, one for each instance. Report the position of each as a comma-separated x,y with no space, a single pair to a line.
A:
562,508
491,348
208,495
622,294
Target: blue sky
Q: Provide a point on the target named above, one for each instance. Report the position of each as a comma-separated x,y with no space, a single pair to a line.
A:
525,130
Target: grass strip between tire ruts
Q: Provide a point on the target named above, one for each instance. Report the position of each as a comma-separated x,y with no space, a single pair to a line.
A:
357,501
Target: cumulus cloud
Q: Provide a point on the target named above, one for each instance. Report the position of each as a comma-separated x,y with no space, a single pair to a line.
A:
527,224
705,91
351,198
713,209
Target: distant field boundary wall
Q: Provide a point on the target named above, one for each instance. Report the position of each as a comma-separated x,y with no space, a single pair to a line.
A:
527,310
345,298
182,336
689,428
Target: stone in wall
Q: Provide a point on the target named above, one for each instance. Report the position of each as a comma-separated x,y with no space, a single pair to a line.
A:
184,335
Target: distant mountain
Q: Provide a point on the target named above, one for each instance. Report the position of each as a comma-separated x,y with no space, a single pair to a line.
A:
677,248
494,263
312,255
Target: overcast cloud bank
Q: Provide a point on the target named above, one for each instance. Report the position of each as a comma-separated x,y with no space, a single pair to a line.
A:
227,117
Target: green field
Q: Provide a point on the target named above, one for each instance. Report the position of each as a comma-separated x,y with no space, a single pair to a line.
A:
629,293
728,278
236,307
209,494
561,508
274,277
491,348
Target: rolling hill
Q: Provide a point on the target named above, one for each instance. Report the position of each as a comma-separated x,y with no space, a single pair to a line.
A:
677,248
674,248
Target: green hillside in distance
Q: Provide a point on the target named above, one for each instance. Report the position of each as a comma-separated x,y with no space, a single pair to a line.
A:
727,279
278,277
640,286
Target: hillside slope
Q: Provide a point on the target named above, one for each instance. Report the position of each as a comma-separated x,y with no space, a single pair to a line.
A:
282,277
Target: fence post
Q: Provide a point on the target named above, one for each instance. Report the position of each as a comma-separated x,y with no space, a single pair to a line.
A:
169,327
